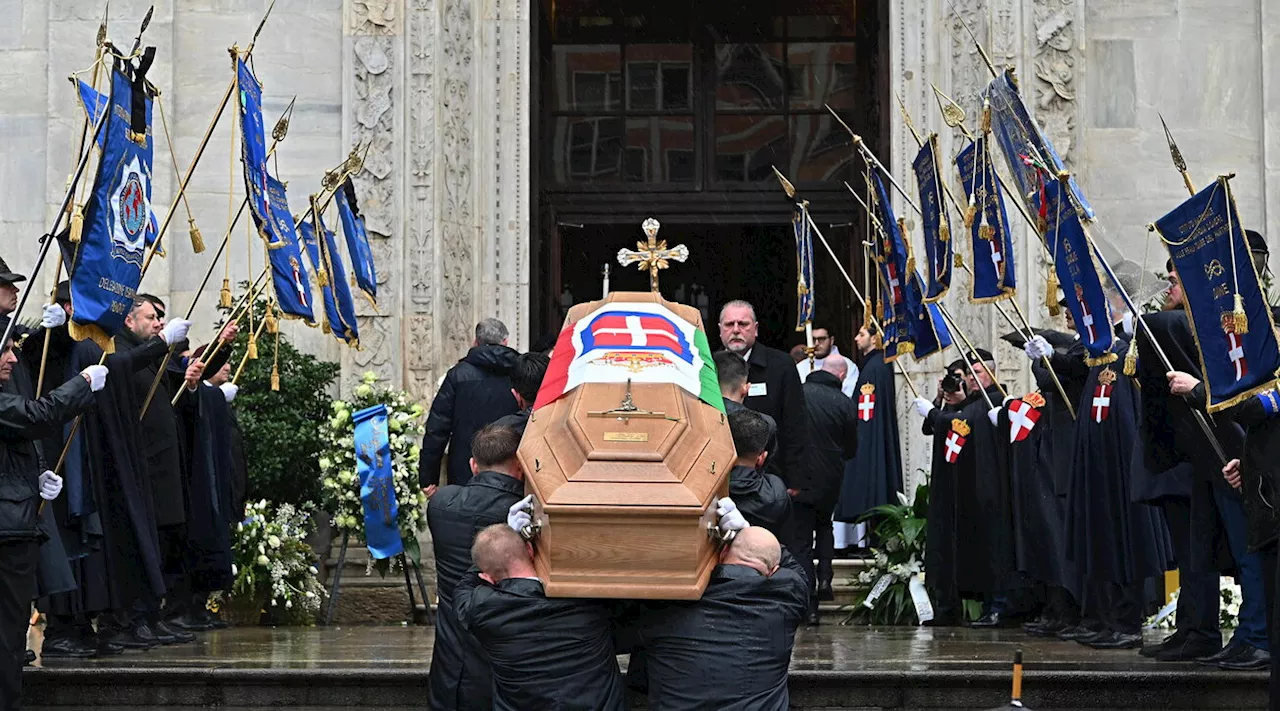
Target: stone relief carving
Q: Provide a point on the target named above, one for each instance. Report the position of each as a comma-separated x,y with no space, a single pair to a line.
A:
1054,90
421,198
968,74
372,17
458,218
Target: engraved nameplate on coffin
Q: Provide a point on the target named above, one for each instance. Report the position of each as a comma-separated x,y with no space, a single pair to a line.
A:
625,476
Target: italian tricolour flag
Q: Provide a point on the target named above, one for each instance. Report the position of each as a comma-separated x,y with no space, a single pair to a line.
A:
640,342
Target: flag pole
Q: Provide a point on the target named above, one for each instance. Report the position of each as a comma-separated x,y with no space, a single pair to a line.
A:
1025,330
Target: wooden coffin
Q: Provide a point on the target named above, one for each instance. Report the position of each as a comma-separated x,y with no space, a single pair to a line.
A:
624,503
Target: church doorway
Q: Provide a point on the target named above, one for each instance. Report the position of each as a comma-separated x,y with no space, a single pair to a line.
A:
679,110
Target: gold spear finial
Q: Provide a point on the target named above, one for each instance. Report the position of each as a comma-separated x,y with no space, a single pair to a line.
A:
281,128
1178,161
102,28
952,113
786,184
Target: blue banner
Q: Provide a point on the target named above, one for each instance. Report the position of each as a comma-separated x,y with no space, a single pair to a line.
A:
339,310
900,305
1077,269
1026,149
994,271
804,264
937,224
105,266
1230,318
93,103
929,329
289,275
363,272
377,483
253,153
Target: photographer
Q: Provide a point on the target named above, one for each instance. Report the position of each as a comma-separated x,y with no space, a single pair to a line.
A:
940,552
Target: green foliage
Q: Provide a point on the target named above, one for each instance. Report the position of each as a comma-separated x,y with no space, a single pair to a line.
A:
900,528
282,438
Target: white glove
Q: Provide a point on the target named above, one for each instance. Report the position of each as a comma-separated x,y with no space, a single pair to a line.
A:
97,375
923,406
53,317
229,390
994,415
731,519
175,330
519,516
1038,348
50,486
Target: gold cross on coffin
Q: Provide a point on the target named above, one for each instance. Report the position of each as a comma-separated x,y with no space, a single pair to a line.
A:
628,409
652,255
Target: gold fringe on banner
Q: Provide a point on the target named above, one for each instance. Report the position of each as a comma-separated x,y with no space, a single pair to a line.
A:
1104,359
224,295
77,223
197,239
1239,319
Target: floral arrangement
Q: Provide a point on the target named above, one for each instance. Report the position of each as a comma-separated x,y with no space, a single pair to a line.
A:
1228,609
340,487
901,530
273,563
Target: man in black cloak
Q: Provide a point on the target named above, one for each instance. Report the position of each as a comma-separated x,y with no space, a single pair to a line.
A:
979,463
873,477
940,526
1114,542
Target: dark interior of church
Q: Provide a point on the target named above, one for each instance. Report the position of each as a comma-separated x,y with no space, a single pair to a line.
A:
679,110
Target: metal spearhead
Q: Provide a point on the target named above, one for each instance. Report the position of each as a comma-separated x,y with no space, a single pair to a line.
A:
952,113
786,184
146,22
102,28
262,23
1178,161
906,116
281,128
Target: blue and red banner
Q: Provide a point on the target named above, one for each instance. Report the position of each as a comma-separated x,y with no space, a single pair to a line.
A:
353,227
289,275
994,270
804,264
253,154
1077,270
1230,318
937,224
900,305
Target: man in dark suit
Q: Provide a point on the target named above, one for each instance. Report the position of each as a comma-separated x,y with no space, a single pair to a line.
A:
774,386
731,649
544,653
460,676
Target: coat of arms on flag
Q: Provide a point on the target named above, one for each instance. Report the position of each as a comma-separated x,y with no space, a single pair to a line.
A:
631,341
1235,345
1100,406
1023,416
955,440
867,402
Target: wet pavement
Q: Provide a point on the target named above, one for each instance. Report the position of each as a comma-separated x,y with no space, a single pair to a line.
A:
825,648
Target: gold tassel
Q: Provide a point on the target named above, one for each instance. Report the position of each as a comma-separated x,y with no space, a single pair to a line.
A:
970,214
1131,359
197,239
224,295
77,223
959,261
252,351
987,232
324,327
1239,318
1051,293
944,233
322,278
986,118
1042,225
273,325
275,364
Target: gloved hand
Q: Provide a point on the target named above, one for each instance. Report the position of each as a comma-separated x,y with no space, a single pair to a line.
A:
50,486
96,375
53,316
1037,348
175,330
229,390
923,406
731,519
519,516
994,415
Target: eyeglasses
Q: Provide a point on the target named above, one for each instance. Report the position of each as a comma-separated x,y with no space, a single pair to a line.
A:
821,338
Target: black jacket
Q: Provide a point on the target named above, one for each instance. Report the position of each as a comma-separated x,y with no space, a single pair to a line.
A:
731,406
1259,464
833,438
161,446
729,651
761,497
475,392
460,676
773,376
517,421
21,422
546,654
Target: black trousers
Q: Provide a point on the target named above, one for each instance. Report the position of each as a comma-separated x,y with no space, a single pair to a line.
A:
824,547
1270,569
17,590
1193,541
804,520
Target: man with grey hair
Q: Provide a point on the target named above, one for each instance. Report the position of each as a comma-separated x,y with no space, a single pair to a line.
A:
474,393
